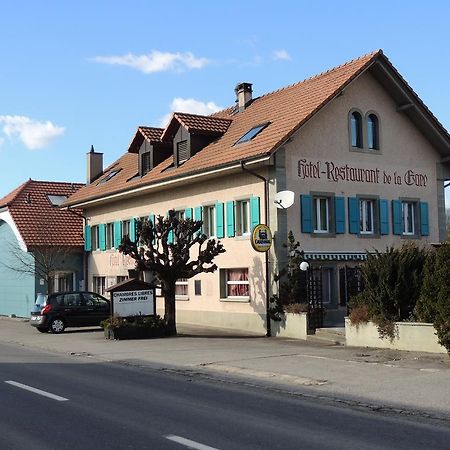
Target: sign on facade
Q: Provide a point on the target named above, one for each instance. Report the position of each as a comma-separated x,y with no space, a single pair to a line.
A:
261,238
134,303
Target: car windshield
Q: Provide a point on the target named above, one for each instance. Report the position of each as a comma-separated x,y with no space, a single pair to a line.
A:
40,300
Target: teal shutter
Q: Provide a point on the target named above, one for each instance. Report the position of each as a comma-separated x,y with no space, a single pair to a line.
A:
424,226
102,236
384,216
132,235
353,215
254,212
339,211
188,213
397,219
230,219
198,216
306,203
87,238
117,233
220,231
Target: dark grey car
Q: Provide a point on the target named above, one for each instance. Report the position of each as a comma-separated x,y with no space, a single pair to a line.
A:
57,311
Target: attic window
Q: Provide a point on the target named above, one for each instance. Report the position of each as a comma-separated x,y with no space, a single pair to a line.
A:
109,176
182,152
146,162
252,133
56,200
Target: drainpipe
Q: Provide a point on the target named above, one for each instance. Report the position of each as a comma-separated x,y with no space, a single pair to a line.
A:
266,220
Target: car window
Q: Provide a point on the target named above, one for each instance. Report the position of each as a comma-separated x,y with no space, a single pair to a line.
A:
40,300
59,299
73,299
94,299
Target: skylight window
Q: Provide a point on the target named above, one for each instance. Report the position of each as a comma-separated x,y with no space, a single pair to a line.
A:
109,176
252,133
56,200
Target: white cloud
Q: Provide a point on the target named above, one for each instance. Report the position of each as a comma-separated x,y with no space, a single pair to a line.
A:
34,134
190,105
281,55
155,61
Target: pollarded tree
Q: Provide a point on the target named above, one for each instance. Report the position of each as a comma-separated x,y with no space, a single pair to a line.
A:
172,249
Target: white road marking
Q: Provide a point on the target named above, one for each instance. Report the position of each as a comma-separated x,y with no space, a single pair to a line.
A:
37,391
188,443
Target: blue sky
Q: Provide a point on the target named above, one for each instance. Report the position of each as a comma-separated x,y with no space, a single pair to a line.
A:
77,73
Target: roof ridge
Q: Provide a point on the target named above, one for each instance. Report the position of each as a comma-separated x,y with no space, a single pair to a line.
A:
12,195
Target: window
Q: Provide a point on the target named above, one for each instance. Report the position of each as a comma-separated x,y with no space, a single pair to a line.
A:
181,289
182,152
179,214
321,215
235,284
95,237
242,217
95,300
109,176
145,162
99,284
125,228
408,218
121,278
197,287
209,220
56,200
109,235
372,132
356,129
61,282
366,215
251,133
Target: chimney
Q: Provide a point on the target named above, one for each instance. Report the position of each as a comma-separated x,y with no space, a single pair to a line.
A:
94,165
243,95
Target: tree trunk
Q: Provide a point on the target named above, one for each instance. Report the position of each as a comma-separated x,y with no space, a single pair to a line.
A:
169,308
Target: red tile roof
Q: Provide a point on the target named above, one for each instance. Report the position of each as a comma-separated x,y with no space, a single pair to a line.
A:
152,134
38,221
286,110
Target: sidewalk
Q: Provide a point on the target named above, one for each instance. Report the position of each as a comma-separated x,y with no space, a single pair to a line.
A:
407,382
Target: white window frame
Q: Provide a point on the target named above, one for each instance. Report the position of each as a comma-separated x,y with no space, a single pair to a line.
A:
366,213
242,225
99,284
209,220
408,213
109,235
126,225
319,227
95,237
182,282
229,282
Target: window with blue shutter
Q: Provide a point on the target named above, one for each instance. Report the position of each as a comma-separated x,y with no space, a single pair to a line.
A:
220,232
339,206
306,209
87,238
198,215
254,212
424,225
353,215
102,236
384,216
132,230
230,219
117,233
397,217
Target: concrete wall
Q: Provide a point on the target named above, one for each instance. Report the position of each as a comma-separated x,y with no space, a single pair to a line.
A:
415,337
293,326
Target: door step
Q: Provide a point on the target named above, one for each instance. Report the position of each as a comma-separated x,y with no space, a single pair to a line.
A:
330,336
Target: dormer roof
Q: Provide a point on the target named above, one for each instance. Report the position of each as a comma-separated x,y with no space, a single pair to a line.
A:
151,134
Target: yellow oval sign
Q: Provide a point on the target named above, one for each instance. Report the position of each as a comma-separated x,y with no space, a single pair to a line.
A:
261,238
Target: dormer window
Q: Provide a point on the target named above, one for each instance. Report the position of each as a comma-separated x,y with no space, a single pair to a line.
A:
252,133
182,152
146,162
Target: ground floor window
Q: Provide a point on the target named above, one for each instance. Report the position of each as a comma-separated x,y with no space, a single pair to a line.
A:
99,285
182,289
234,284
61,282
409,218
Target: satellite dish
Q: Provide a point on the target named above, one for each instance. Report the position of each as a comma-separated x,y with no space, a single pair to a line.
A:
284,199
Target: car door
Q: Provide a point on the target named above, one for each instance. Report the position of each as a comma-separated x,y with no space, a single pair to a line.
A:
74,309
99,308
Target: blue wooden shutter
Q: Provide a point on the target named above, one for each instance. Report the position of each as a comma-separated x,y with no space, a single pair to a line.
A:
198,215
397,219
306,202
220,231
353,215
384,216
188,213
132,235
424,225
254,212
87,238
117,233
230,219
102,236
151,218
339,206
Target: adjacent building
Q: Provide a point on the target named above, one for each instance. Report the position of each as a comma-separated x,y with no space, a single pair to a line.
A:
41,246
366,159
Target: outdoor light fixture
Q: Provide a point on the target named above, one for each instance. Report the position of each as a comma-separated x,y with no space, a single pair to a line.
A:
304,266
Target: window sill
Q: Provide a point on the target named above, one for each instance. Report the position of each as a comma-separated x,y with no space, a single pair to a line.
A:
323,235
181,298
242,237
368,151
236,299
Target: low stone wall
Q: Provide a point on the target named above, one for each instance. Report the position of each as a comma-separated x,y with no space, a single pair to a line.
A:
293,326
412,336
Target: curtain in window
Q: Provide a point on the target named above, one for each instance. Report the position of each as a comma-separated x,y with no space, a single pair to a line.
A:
237,285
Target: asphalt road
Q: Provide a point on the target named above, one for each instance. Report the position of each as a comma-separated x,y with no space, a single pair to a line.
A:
84,404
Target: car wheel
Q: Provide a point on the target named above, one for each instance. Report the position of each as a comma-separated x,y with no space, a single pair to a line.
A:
57,325
42,329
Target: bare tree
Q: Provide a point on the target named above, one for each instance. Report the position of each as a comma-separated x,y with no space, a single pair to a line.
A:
172,249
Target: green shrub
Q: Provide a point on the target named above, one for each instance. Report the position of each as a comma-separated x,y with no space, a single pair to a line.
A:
116,322
392,284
